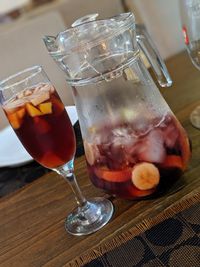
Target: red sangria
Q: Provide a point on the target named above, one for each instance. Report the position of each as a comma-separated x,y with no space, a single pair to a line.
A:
40,121
133,160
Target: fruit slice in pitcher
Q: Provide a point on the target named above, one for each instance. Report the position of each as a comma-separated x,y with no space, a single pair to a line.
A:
140,193
113,176
184,144
145,176
173,161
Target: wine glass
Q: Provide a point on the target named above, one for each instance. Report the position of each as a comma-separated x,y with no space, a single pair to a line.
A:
39,119
190,19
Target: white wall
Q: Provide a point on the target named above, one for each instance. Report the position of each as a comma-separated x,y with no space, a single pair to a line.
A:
162,20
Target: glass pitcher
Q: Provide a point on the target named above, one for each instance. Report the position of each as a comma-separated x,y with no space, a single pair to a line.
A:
134,145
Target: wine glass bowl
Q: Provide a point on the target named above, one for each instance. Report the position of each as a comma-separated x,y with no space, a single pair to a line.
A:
190,20
39,119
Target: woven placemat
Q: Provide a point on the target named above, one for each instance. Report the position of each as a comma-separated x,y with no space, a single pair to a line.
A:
170,239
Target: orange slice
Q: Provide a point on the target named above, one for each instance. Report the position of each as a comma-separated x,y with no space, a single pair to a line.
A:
141,193
14,120
21,112
185,145
33,111
173,161
114,176
89,153
46,108
186,152
145,176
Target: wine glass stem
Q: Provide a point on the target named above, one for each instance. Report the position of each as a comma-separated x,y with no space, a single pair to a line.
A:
71,179
67,172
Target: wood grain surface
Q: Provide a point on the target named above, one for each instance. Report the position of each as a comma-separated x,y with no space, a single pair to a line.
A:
32,219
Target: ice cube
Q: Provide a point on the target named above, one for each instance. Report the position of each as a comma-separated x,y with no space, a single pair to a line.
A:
152,148
28,92
11,106
170,135
47,87
141,126
37,99
123,137
20,95
91,152
121,132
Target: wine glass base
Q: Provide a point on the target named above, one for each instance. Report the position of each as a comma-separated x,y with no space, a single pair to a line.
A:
89,218
195,117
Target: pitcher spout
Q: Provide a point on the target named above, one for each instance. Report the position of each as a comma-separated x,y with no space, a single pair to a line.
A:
50,43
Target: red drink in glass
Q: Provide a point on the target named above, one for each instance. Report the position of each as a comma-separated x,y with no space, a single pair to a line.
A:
37,114
132,160
41,123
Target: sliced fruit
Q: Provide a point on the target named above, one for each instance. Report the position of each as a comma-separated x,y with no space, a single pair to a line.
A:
145,176
33,111
14,105
14,120
114,176
173,161
89,152
186,152
21,112
185,146
140,193
46,108
40,98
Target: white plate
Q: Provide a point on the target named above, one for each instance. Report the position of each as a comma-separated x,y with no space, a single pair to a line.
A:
12,153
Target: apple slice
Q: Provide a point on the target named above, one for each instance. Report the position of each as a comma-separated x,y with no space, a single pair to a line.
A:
145,176
33,111
113,176
46,108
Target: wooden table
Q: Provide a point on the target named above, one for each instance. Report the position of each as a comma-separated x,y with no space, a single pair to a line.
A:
32,219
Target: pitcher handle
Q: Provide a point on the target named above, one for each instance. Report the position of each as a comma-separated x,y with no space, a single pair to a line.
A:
150,51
